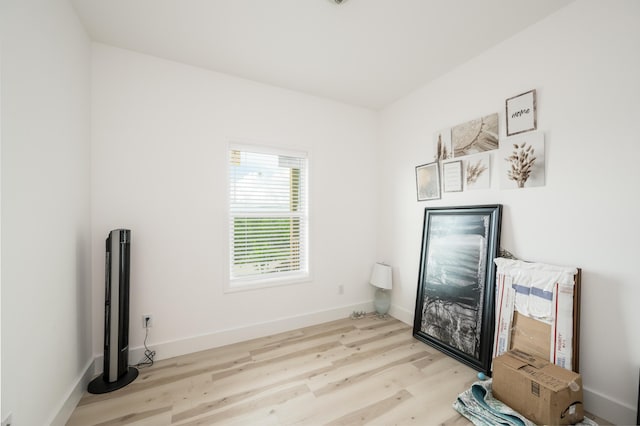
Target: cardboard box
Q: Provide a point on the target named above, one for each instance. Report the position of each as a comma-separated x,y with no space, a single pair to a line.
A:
531,336
539,390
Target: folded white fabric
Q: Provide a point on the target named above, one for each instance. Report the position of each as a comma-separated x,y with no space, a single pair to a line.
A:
535,284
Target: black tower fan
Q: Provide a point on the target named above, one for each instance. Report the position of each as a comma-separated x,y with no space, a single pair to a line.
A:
116,372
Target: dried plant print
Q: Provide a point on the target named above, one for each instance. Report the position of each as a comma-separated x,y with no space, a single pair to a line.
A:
475,136
521,160
474,171
443,148
477,171
523,157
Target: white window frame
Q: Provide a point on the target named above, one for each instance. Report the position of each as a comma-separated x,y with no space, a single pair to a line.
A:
234,284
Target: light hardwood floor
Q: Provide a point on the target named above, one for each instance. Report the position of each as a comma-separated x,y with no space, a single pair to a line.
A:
346,372
350,371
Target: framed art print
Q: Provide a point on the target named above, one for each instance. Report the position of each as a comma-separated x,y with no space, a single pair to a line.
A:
456,282
475,136
428,181
521,113
477,171
452,176
524,161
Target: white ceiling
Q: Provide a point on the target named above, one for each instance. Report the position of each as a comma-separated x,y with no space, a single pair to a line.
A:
363,52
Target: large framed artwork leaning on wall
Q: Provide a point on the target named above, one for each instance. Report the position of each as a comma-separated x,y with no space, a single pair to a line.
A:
455,299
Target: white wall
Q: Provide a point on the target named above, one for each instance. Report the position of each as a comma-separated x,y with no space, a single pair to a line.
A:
160,132
584,62
46,333
159,135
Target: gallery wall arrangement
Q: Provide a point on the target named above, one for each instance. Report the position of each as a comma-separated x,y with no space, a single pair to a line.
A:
461,297
463,153
454,309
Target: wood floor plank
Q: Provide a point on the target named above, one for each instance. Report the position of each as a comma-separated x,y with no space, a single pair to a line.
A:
381,322
343,373
262,403
348,381
372,411
244,395
333,405
136,417
375,337
286,345
441,382
366,354
314,351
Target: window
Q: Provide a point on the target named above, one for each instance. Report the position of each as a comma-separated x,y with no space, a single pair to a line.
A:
268,216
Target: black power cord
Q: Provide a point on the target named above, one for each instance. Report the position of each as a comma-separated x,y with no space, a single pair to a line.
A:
147,361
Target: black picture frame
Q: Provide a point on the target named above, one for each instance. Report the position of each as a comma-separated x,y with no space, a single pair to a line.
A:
454,310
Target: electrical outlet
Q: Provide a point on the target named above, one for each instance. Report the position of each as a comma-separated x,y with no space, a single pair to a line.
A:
341,289
147,321
8,421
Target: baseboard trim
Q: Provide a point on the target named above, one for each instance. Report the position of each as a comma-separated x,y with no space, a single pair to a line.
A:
609,409
229,336
69,403
402,314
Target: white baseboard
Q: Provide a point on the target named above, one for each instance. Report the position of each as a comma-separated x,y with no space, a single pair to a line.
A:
69,403
189,345
608,409
402,314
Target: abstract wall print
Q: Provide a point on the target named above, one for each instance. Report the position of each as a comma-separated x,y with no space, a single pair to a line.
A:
520,111
456,284
477,171
428,181
452,176
442,145
523,158
475,136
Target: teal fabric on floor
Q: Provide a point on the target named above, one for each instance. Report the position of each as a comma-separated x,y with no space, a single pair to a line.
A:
480,407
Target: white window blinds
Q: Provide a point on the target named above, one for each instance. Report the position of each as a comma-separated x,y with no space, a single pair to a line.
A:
268,214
